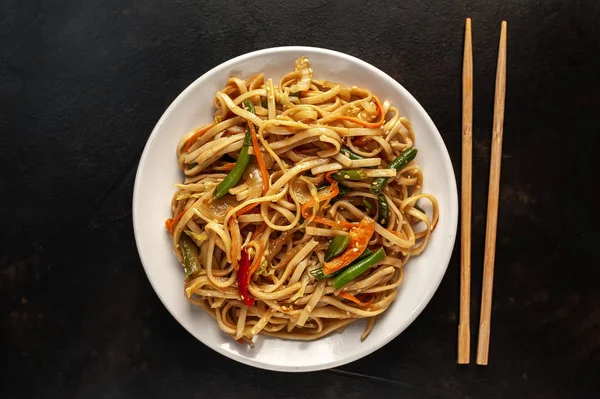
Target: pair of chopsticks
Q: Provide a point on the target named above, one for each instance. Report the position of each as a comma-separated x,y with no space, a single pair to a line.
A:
464,333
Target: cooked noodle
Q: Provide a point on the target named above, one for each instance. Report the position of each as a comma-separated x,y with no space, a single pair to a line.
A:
276,233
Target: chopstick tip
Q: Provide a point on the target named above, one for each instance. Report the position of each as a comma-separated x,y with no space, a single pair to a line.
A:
503,34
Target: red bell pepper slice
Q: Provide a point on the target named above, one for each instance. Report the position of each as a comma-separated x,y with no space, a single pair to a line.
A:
243,278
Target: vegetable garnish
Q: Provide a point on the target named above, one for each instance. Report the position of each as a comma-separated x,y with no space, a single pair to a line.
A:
354,271
384,210
358,301
243,160
336,247
371,125
171,223
257,153
235,242
400,162
258,254
350,154
189,250
359,239
318,272
243,278
195,136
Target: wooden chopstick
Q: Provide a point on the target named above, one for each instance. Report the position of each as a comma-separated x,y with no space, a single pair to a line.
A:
464,329
483,345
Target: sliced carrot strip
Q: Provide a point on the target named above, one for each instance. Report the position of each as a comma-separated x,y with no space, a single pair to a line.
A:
260,250
334,190
246,209
357,301
258,231
259,158
171,223
228,166
371,125
195,136
330,180
235,244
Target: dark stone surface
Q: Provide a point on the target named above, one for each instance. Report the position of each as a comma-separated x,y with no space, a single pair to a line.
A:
82,84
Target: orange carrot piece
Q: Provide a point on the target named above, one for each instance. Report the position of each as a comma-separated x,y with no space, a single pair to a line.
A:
256,233
246,209
334,190
359,240
259,158
170,223
357,301
235,245
260,250
195,136
371,125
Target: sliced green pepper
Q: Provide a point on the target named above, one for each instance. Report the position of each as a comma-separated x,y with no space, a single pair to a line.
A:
235,174
189,250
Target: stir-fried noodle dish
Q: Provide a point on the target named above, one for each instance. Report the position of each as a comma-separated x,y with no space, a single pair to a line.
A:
300,206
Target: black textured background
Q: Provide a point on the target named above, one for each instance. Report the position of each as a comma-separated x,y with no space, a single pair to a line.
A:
82,84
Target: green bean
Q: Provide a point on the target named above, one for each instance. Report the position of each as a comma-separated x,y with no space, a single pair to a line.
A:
384,210
250,107
336,247
189,250
350,174
355,270
236,173
320,275
400,162
350,154
368,203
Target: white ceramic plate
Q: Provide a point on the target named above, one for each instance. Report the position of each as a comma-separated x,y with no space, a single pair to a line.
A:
158,171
